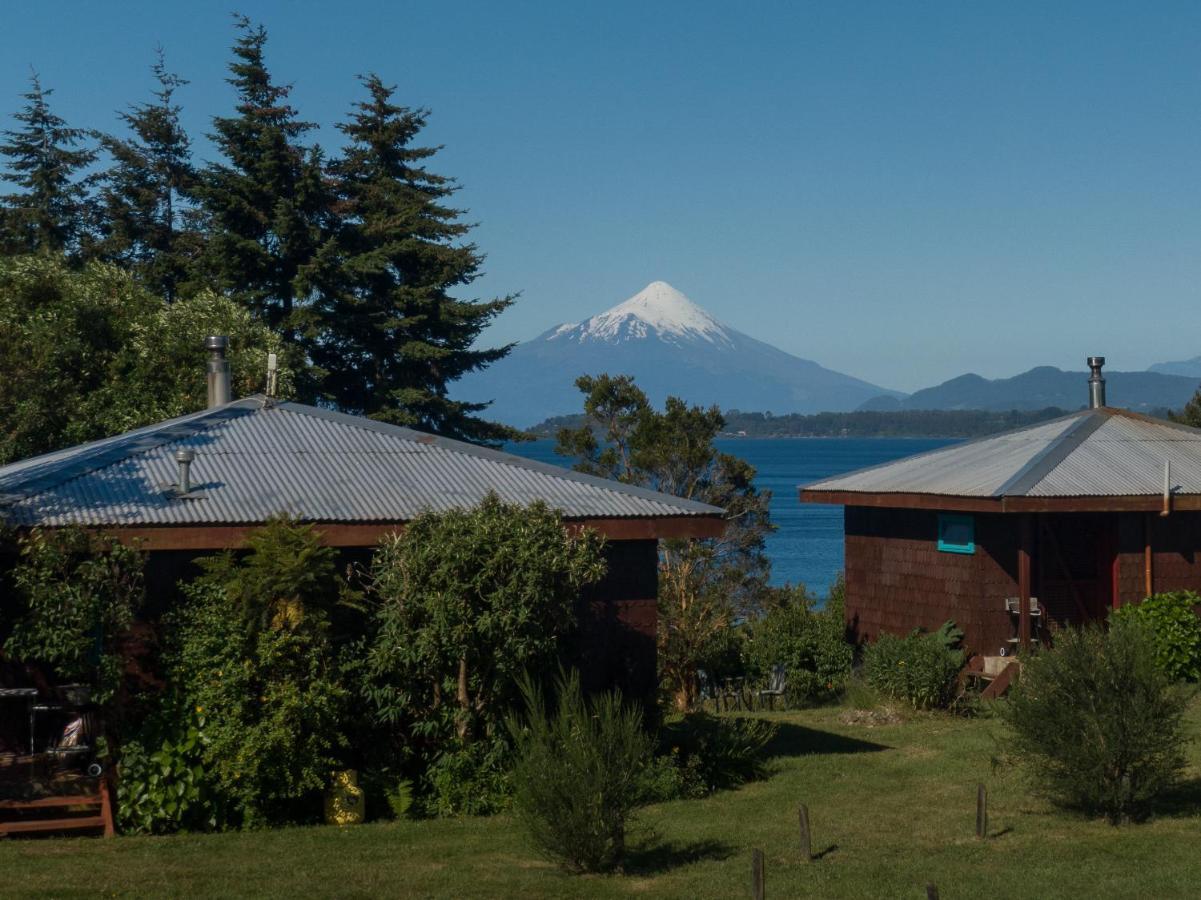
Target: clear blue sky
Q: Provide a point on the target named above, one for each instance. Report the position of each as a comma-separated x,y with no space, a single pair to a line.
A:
902,191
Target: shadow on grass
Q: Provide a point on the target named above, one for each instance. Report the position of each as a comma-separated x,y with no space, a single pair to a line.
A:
796,740
1182,800
653,857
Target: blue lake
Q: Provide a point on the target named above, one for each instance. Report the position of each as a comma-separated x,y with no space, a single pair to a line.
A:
807,545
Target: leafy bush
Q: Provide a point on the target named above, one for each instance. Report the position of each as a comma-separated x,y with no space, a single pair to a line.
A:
920,669
76,596
579,773
809,644
715,752
256,657
470,780
161,785
1099,721
1176,629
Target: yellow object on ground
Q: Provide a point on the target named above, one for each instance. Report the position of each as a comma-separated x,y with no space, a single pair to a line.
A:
344,800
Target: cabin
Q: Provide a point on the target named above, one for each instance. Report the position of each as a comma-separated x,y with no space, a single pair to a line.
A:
1015,534
200,483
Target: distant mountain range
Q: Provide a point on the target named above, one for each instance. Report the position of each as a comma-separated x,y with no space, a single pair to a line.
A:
1046,386
672,347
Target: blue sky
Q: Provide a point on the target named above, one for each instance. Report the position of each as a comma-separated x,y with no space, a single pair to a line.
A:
902,191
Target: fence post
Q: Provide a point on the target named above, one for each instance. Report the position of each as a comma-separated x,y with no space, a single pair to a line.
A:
757,875
981,812
806,834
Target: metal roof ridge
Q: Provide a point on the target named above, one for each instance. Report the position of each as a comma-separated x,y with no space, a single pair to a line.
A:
498,456
950,447
1060,448
70,463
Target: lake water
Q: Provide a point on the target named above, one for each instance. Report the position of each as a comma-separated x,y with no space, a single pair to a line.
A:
807,545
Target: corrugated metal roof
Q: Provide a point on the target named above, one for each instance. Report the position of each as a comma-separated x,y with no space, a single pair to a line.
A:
255,460
1093,453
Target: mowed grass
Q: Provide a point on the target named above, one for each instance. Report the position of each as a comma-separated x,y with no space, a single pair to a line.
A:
892,808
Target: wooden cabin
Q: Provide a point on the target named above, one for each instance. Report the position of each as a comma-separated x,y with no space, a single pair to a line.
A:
198,484
1015,534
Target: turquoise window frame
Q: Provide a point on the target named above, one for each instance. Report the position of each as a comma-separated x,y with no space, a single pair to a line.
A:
955,521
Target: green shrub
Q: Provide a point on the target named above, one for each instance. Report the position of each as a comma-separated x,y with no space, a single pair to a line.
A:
579,774
470,780
810,644
920,669
161,782
255,656
715,752
1098,721
1176,628
76,596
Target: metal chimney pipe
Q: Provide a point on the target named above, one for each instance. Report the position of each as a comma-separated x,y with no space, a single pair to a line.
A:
184,457
218,370
1096,384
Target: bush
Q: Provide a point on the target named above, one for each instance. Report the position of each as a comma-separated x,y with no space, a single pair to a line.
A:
470,780
920,669
715,752
1176,629
579,774
255,656
161,783
76,596
810,645
1099,721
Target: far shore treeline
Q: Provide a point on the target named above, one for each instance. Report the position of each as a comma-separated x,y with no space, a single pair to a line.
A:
915,423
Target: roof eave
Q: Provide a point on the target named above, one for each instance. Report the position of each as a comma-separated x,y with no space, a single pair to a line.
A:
1148,503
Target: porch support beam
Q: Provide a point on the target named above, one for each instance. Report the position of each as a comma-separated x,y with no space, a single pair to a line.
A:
1025,549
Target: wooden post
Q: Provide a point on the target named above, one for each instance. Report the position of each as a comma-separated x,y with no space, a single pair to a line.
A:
806,835
931,891
1148,569
1024,551
981,812
757,875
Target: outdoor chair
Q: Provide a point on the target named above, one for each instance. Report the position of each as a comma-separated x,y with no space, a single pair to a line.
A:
775,687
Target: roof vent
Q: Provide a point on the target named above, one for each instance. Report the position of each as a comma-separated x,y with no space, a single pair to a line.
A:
218,370
1096,384
184,457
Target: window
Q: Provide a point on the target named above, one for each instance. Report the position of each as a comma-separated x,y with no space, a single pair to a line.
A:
956,533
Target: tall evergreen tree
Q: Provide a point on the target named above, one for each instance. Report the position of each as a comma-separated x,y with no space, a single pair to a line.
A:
147,222
389,336
265,204
44,159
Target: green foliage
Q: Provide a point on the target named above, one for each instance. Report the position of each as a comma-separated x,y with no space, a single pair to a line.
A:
89,353
255,656
714,753
704,585
920,669
51,209
1099,722
1176,628
76,596
466,601
391,335
161,782
579,773
471,779
811,645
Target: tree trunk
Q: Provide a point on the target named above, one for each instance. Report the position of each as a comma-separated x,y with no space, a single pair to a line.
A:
464,701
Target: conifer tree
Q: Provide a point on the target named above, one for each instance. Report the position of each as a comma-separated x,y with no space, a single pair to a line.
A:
44,159
390,337
147,222
265,203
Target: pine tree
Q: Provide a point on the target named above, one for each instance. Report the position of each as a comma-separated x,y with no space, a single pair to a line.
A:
389,337
147,221
51,209
266,203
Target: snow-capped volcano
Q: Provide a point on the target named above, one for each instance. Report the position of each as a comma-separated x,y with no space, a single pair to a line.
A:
672,347
658,310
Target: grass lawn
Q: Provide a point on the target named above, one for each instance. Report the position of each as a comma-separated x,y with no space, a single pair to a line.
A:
892,808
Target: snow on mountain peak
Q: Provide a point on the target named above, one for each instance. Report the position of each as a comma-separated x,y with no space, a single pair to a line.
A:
659,310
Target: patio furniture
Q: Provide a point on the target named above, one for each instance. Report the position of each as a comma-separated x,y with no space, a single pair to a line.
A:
775,687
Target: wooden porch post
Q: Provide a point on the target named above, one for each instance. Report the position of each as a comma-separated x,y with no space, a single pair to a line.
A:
1148,570
1025,549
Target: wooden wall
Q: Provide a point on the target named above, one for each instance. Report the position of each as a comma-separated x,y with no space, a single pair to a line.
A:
898,580
1175,558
